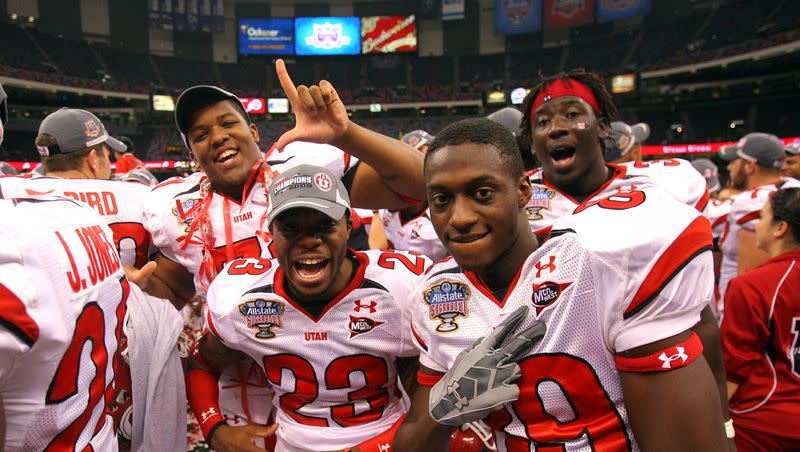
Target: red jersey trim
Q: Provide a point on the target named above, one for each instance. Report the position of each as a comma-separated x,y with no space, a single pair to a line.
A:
476,281
703,202
693,241
427,379
15,318
418,338
280,288
719,221
749,217
671,358
618,172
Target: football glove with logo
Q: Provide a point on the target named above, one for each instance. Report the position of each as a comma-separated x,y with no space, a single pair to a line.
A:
484,376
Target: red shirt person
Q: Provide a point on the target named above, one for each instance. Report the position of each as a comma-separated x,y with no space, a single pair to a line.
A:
761,334
126,161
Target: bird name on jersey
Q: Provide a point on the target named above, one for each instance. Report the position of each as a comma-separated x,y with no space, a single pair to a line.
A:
262,315
104,202
101,255
447,301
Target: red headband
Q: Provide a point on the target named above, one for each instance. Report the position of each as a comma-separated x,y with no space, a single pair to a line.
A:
565,87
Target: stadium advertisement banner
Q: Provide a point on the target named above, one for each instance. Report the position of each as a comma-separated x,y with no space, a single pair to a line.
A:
517,16
254,105
608,10
327,35
388,34
266,36
567,13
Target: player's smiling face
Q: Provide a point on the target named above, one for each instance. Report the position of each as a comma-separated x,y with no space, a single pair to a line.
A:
224,145
311,248
475,203
566,137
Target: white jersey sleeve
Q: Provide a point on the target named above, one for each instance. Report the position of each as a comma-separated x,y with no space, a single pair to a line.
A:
678,177
168,213
661,250
434,358
18,330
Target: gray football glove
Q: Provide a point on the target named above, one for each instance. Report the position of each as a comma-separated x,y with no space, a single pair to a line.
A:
484,376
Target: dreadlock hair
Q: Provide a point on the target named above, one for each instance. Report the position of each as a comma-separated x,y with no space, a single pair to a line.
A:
608,111
785,205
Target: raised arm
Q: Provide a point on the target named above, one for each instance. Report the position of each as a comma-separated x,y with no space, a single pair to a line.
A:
390,173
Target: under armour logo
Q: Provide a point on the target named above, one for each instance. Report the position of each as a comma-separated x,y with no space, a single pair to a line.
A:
668,359
547,98
384,447
370,306
206,415
550,266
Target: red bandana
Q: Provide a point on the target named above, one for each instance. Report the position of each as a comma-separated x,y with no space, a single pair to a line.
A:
565,87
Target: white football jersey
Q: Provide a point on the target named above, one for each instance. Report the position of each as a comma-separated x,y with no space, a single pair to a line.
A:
416,235
717,213
63,296
744,214
626,271
335,377
120,203
175,203
677,177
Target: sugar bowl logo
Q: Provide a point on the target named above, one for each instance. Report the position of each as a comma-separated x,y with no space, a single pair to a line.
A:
568,8
540,199
446,302
517,11
185,211
263,315
328,36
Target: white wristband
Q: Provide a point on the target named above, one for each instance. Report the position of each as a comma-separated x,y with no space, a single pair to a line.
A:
729,432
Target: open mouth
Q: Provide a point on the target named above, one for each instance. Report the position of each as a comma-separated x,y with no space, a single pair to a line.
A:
310,268
563,156
226,156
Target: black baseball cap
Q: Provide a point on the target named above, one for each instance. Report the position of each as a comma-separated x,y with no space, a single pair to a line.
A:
75,130
763,148
198,97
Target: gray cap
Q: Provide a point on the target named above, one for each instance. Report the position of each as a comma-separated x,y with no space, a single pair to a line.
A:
763,148
74,130
508,117
197,97
417,138
308,186
793,148
710,172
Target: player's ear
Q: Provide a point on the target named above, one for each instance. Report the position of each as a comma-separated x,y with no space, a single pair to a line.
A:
603,127
523,191
781,229
192,156
93,159
254,132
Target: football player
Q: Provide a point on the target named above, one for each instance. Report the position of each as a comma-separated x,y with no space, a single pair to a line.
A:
619,284
63,297
570,146
217,215
792,167
755,164
75,146
325,324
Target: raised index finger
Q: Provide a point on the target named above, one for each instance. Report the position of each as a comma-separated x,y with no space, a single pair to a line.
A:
286,82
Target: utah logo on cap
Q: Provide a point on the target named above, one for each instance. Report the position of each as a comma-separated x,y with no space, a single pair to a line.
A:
323,181
92,131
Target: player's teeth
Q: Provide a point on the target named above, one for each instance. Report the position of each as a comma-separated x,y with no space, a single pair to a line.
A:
310,261
227,154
